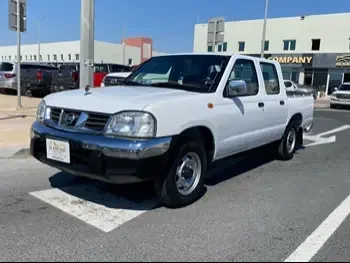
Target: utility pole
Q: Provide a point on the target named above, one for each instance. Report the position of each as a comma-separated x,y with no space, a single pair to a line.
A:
18,23
87,39
39,24
264,29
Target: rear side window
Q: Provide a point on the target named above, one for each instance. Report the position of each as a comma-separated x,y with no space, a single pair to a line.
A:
101,68
271,81
6,66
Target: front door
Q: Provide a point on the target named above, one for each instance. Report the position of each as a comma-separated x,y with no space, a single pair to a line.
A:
241,117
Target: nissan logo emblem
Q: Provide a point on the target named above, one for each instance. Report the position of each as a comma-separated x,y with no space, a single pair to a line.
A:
70,118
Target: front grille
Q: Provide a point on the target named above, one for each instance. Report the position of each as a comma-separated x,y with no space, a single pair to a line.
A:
342,96
74,119
111,81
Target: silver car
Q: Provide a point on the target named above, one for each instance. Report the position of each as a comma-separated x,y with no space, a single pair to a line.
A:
8,79
292,86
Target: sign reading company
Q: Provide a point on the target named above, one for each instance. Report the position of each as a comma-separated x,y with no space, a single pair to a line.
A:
343,61
292,60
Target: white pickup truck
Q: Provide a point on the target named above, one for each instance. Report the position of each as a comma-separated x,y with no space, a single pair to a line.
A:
172,117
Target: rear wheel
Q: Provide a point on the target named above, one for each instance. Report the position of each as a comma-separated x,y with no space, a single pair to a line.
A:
289,142
183,183
332,106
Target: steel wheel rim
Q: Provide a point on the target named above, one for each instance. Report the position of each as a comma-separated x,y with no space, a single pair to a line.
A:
188,173
291,140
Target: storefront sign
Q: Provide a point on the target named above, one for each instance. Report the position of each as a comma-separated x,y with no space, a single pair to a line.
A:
292,60
343,61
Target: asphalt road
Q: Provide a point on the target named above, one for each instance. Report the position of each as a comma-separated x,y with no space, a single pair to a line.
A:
255,209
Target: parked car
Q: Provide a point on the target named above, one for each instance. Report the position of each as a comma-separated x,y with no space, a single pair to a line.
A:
341,96
293,86
35,78
171,119
113,79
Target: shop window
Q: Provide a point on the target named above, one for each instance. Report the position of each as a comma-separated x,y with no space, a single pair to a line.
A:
316,44
335,79
241,46
289,45
266,45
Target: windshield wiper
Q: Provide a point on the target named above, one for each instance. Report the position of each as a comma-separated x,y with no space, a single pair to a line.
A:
173,85
132,83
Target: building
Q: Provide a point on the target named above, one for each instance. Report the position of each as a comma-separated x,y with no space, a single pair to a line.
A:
313,50
137,50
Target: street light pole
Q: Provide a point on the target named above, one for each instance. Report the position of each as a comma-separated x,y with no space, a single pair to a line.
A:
19,103
39,24
264,29
87,39
124,35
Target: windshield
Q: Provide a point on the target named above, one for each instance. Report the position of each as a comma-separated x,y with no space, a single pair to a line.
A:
6,66
199,73
345,87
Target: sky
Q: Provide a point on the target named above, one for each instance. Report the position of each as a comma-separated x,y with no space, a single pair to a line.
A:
169,23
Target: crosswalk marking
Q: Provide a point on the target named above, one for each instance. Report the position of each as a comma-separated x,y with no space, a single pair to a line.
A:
100,209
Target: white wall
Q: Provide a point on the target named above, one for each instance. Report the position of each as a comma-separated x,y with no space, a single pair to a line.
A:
106,52
333,30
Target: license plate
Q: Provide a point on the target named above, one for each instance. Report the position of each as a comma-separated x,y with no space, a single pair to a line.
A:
58,150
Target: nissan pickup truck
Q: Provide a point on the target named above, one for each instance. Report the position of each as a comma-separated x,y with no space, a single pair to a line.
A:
170,120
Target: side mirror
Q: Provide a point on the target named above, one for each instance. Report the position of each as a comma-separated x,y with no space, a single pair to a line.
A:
237,88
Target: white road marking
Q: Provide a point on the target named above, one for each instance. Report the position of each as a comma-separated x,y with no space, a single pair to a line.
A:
308,249
319,139
93,206
331,110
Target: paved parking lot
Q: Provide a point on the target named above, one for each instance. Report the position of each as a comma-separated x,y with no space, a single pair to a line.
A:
255,209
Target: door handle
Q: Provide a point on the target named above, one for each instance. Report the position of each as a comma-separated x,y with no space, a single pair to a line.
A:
282,102
261,104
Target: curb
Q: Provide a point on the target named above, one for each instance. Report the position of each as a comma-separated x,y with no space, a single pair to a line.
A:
12,153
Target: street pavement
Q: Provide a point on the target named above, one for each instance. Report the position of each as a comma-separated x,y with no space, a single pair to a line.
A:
254,209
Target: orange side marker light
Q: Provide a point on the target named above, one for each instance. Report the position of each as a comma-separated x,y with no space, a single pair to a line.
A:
210,105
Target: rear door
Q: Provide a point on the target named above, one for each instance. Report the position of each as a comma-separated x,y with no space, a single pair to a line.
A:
275,102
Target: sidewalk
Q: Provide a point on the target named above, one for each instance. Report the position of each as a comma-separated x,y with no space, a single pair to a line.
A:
15,124
322,103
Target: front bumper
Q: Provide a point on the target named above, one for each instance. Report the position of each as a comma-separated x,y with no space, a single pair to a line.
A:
339,102
112,160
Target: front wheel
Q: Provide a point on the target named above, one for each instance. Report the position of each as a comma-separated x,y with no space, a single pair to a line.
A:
184,182
288,144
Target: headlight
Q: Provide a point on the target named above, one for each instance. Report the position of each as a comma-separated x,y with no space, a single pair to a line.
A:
40,113
132,124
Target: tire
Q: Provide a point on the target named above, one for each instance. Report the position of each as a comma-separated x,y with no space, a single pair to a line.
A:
166,186
286,146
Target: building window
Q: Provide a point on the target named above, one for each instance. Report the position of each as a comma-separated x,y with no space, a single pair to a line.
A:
41,58
130,62
316,44
55,57
26,58
289,45
219,48
266,45
34,57
210,49
69,57
349,43
77,57
48,57
224,46
241,46
61,57
10,58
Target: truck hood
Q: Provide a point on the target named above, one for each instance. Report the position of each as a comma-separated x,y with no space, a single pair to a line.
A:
341,92
114,99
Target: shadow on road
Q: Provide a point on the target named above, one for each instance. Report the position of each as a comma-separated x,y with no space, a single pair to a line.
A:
139,196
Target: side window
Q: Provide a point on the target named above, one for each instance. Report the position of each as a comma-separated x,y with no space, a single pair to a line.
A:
245,70
269,72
